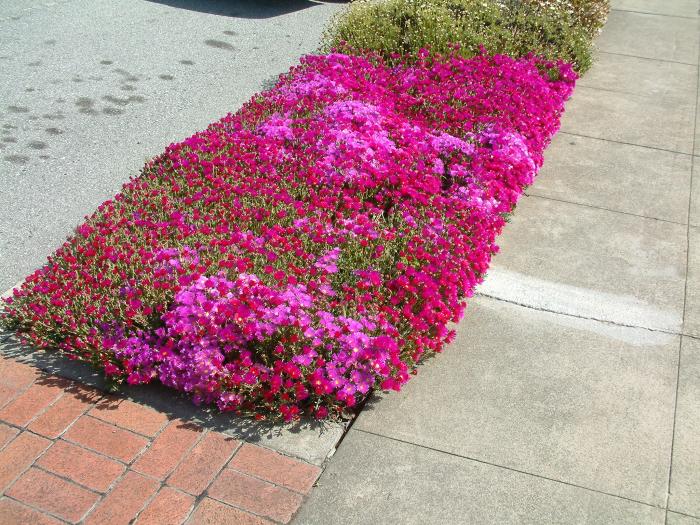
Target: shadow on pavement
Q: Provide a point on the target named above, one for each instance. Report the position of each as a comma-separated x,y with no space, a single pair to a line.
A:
307,439
244,8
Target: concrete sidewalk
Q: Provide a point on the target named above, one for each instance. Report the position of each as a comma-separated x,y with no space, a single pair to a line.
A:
572,393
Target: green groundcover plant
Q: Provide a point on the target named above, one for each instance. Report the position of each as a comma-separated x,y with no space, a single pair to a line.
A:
514,28
588,14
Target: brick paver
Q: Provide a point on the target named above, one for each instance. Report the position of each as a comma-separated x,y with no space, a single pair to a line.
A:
47,492
129,415
19,455
14,377
80,465
212,512
59,416
268,465
203,463
168,449
169,506
12,512
255,495
31,403
125,501
69,452
7,434
106,439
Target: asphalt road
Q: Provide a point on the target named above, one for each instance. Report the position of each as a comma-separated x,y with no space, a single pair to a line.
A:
91,89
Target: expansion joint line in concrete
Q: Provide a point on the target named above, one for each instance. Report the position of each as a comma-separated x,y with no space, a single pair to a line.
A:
648,58
666,15
685,295
572,134
511,469
583,204
599,320
608,90
583,317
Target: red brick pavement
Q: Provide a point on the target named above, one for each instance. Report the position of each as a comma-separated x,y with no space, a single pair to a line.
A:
72,454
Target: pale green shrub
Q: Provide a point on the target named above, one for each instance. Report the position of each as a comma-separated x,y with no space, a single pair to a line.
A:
406,26
589,14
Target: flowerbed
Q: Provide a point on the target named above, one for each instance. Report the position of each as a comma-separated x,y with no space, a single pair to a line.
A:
311,247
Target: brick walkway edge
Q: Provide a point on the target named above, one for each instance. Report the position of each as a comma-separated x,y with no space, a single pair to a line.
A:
72,454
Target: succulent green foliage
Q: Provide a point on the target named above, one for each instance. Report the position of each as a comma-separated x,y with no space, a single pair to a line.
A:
512,27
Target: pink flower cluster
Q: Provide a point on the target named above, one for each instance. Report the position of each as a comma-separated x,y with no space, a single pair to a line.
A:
311,247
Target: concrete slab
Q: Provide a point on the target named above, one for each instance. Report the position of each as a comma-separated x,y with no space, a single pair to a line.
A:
673,518
696,149
691,321
694,218
85,106
666,81
308,440
377,480
592,263
634,119
687,8
551,395
607,174
685,471
651,36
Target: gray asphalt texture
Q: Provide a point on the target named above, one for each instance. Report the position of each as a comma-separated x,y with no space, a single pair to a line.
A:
91,89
